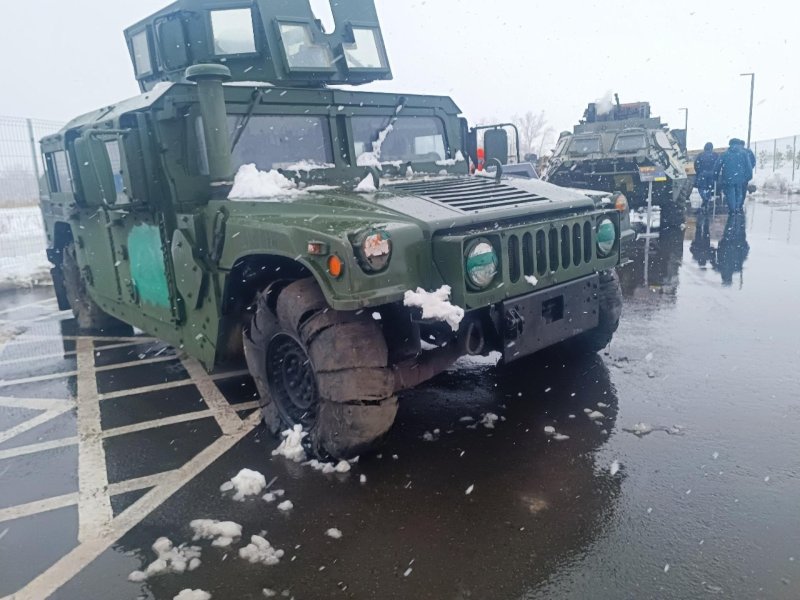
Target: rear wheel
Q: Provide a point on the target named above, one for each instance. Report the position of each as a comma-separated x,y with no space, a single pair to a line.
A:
323,369
86,311
610,307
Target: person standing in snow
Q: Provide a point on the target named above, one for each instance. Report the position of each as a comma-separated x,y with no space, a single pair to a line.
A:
705,165
733,172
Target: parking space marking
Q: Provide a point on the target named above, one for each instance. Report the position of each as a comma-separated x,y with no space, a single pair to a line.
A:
39,506
223,412
40,447
13,361
94,506
34,422
35,403
5,311
140,483
135,363
158,387
37,379
77,559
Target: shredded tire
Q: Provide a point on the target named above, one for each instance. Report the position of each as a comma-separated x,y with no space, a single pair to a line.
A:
355,401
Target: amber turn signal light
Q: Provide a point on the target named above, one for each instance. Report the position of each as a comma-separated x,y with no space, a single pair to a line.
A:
335,266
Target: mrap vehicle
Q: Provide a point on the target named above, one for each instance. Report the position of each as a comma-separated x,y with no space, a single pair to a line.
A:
610,145
243,205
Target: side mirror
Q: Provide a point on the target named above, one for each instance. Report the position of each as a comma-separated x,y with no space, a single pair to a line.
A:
96,174
495,145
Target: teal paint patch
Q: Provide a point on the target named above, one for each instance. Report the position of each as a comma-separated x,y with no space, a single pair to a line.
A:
147,265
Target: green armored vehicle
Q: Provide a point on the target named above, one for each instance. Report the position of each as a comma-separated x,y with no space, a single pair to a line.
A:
335,238
609,146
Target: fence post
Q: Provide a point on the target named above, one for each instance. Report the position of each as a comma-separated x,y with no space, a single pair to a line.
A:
774,154
34,153
794,155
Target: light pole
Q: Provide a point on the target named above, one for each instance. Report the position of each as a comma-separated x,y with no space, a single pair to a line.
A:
750,117
686,127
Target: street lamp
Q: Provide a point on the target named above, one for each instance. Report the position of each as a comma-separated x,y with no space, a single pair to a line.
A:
750,118
686,127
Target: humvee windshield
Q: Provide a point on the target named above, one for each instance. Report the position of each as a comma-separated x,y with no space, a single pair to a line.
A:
585,145
630,143
419,139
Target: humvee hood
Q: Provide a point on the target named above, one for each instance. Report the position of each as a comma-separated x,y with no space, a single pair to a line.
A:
434,204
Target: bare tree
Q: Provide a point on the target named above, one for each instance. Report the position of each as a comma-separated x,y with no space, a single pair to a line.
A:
534,132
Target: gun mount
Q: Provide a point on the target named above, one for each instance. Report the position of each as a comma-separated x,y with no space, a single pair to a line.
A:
275,41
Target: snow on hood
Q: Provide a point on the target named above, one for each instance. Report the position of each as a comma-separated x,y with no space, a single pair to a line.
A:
252,184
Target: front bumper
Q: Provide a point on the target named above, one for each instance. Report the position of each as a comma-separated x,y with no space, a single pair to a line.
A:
538,320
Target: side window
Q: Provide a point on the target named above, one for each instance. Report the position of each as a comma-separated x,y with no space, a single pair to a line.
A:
112,148
233,32
142,57
58,173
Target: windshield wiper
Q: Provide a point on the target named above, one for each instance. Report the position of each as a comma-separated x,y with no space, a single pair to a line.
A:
242,124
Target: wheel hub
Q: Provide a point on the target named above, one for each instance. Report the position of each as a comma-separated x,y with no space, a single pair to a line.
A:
291,380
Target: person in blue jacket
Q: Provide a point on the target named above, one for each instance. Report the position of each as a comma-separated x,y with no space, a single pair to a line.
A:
752,158
705,166
733,173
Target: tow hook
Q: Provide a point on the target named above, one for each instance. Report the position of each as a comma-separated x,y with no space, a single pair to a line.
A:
515,323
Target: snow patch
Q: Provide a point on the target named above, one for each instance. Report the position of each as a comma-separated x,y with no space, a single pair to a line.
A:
367,185
615,466
308,166
334,533
246,483
451,162
286,506
252,184
259,550
595,414
435,305
192,595
488,420
170,560
560,437
531,280
223,533
291,446
326,468
549,430
363,479
469,490
373,159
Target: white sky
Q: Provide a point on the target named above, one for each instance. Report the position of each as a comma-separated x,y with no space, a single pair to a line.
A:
60,58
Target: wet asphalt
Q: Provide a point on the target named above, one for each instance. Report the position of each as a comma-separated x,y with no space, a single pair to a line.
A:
707,504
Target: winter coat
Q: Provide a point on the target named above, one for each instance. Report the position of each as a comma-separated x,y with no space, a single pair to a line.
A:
706,163
734,167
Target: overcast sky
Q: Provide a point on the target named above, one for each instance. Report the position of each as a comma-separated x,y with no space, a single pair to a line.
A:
496,59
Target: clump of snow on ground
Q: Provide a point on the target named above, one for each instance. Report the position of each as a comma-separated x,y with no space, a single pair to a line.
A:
252,184
615,466
286,506
435,305
595,414
531,280
470,489
341,467
560,437
362,478
292,445
170,560
259,550
334,533
192,595
549,430
271,496
488,420
642,429
268,593
367,185
222,532
246,483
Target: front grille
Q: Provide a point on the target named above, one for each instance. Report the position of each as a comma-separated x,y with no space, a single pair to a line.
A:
470,195
552,250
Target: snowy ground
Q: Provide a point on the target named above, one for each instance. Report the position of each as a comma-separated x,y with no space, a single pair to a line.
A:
22,247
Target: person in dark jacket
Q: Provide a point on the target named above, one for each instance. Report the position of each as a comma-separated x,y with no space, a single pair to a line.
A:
752,158
705,166
733,172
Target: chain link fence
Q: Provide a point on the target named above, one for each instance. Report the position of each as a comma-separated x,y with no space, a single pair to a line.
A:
777,164
22,238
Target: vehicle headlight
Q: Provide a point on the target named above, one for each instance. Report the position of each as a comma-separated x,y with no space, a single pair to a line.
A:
374,250
606,237
481,264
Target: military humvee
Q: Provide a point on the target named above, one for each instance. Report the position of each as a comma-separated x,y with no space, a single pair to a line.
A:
242,205
610,144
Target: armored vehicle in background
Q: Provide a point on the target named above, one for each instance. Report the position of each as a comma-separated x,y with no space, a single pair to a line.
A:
243,206
610,144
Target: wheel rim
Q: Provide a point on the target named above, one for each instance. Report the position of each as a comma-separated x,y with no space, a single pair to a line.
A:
292,384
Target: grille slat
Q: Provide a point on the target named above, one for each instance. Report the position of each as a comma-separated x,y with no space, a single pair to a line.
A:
474,195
